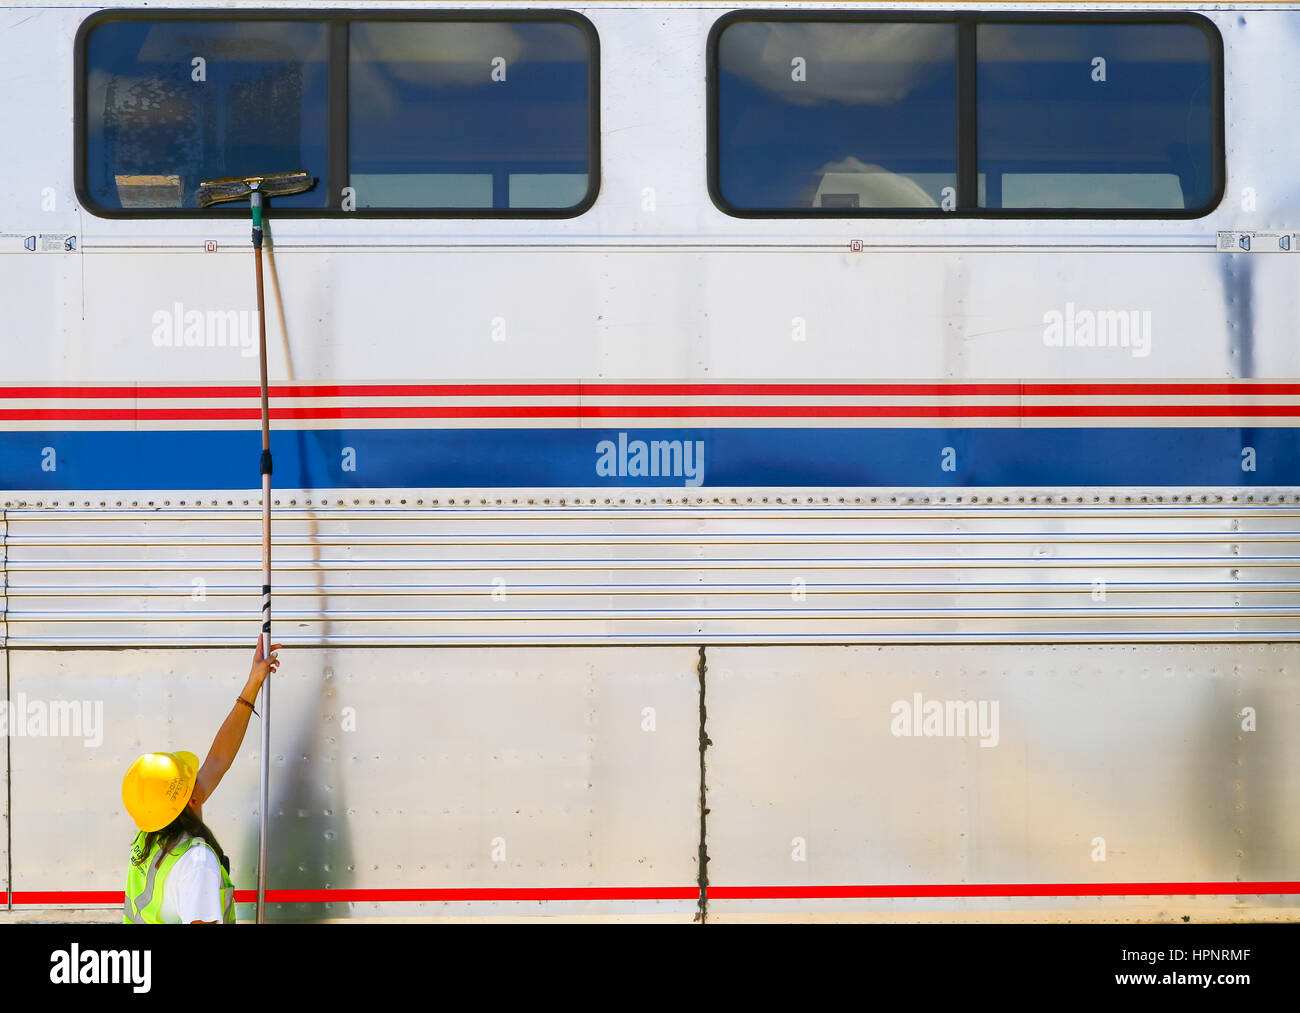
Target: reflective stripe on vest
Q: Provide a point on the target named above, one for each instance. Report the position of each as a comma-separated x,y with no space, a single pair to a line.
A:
146,882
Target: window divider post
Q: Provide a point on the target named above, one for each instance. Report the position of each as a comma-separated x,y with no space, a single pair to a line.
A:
967,110
337,175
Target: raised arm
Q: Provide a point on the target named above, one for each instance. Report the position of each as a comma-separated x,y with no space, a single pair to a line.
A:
230,736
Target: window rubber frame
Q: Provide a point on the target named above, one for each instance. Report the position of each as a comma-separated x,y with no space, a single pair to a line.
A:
967,106
336,22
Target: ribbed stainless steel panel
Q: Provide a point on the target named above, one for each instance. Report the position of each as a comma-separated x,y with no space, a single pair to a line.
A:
4,688
433,771
415,567
1128,764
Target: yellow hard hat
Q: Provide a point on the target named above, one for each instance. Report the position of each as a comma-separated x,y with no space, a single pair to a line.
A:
158,787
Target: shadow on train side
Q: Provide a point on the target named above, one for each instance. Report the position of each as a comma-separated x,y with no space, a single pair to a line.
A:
309,845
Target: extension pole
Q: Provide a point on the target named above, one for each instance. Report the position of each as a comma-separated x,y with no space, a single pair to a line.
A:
255,198
256,189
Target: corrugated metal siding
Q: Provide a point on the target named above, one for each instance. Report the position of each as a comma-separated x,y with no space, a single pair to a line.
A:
411,568
4,580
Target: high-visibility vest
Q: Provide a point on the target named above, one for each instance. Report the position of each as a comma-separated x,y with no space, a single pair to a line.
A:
146,881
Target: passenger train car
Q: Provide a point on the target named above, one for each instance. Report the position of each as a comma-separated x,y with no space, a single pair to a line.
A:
732,461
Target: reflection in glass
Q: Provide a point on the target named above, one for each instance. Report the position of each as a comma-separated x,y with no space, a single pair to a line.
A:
836,115
468,115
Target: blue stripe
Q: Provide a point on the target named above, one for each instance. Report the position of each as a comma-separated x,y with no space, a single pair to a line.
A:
566,458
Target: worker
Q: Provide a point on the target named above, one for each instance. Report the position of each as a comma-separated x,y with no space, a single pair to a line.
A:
178,872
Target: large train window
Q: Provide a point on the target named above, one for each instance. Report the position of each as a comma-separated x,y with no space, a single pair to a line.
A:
455,114
975,115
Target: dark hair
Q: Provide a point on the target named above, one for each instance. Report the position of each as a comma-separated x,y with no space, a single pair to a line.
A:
185,825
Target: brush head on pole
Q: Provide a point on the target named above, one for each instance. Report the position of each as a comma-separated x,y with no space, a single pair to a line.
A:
276,184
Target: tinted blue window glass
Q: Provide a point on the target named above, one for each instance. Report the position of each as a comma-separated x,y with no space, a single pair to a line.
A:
836,115
469,115
170,104
1095,116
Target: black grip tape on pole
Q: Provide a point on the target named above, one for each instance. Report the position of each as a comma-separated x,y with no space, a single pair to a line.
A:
266,462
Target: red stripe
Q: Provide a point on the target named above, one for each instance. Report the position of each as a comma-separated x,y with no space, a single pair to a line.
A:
1281,887
1127,411
95,897
310,390
229,414
595,389
41,897
801,389
514,411
472,894
1006,890
526,390
926,411
1181,389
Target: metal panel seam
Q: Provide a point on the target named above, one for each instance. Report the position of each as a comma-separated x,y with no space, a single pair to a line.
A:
702,916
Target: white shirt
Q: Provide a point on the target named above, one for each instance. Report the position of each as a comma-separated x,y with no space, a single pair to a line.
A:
192,890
